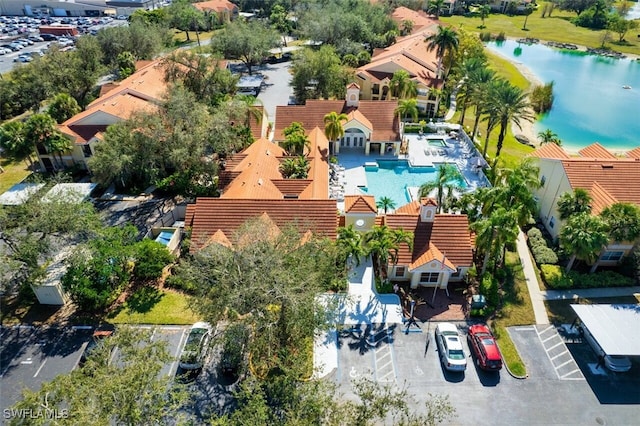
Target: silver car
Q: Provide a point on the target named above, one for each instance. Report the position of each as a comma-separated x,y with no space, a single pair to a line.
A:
196,347
450,348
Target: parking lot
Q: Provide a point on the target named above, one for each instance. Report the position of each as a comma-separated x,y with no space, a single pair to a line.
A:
554,392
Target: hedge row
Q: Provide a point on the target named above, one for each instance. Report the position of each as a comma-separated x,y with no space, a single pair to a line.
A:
538,245
556,278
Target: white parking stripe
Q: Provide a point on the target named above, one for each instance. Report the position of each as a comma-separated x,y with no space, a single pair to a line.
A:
175,356
40,368
555,346
563,364
559,355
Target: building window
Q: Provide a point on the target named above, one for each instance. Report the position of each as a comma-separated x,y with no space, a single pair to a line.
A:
456,274
376,89
86,150
423,92
543,180
552,222
429,277
42,150
400,271
612,256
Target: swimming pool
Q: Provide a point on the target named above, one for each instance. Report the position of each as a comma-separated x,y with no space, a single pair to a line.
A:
437,142
392,178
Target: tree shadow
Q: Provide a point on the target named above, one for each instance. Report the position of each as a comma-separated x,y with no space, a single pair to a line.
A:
144,299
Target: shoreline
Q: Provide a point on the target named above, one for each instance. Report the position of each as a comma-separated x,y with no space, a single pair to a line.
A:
527,129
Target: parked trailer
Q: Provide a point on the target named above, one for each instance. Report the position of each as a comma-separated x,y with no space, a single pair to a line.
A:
59,30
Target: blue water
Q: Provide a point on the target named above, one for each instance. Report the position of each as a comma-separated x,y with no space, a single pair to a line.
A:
589,102
164,237
394,176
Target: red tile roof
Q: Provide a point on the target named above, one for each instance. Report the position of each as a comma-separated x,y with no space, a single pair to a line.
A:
634,153
215,6
380,114
600,198
551,151
619,177
360,204
420,19
595,150
448,234
209,215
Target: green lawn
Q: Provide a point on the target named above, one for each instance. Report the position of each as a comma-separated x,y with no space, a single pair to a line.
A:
13,173
517,310
555,28
148,305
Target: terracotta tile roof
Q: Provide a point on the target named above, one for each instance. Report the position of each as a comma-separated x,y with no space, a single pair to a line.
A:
147,82
360,204
358,116
411,208
227,215
634,153
619,177
595,150
318,166
448,233
600,198
432,254
380,115
215,6
258,126
219,238
419,19
291,186
551,151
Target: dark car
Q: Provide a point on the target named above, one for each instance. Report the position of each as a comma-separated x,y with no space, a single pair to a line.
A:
98,338
48,37
232,360
484,348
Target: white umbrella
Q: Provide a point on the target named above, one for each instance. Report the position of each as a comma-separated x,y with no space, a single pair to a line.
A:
477,162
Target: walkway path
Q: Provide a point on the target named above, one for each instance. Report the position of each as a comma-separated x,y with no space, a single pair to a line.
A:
453,102
530,277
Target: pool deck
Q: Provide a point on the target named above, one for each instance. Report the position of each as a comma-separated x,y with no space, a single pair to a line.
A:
459,151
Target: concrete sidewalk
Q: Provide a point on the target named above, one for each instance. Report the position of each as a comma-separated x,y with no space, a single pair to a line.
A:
537,300
589,293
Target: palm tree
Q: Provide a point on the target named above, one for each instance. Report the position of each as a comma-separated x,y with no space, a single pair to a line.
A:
573,203
494,233
252,105
446,176
295,168
623,220
445,40
469,67
41,129
484,11
514,190
480,82
296,139
407,107
528,10
583,236
508,103
382,244
386,203
14,143
548,136
350,245
333,127
402,86
434,7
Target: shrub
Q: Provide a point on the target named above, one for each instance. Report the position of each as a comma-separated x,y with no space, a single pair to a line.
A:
151,258
501,36
544,255
384,287
180,283
534,233
489,288
485,36
554,277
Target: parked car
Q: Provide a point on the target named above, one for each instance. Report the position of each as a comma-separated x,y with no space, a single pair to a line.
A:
484,348
196,347
49,37
450,347
616,363
35,38
25,40
99,337
23,58
232,359
4,51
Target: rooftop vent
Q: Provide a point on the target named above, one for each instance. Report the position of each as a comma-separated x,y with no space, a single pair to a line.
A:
607,166
290,196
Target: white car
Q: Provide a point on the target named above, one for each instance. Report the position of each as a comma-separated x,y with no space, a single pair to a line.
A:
615,363
196,347
450,348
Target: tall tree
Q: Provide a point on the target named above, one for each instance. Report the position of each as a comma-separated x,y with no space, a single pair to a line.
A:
185,17
402,86
547,136
574,203
435,7
63,107
407,108
447,176
382,244
493,233
41,129
583,236
248,42
279,20
386,203
443,41
14,141
333,127
132,390
508,104
318,74
350,245
623,221
528,10
480,82
484,11
469,69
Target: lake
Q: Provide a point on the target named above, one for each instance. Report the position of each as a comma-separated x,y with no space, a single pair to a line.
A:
590,103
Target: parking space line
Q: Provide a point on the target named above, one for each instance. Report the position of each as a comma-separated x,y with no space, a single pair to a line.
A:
549,338
564,363
577,370
559,355
19,350
40,368
555,346
175,357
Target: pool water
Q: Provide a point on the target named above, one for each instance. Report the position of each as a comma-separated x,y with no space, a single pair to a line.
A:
393,177
437,142
164,237
590,102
